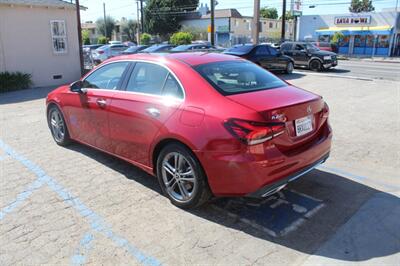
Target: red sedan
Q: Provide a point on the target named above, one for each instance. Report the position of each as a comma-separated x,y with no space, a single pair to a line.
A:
205,124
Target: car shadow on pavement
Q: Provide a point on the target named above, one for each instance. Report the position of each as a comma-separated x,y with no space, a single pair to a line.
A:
290,76
25,95
321,213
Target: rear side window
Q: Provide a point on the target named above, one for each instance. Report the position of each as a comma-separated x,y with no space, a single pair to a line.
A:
240,49
286,47
272,50
262,50
234,77
106,77
153,79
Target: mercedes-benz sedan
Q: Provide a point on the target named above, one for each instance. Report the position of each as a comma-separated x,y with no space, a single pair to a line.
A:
205,124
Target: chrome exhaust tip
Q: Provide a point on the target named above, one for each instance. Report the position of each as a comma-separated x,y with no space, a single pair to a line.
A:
273,191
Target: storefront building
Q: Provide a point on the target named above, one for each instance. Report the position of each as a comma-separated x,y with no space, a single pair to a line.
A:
365,34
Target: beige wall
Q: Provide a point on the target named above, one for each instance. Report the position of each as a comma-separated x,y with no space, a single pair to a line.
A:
26,44
240,27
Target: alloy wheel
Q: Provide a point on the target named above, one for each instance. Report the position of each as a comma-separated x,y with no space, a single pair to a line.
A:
179,177
57,125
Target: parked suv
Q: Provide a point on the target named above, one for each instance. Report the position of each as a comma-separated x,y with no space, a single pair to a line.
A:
308,55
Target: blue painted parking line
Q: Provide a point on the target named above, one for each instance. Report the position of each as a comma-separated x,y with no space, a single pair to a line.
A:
96,222
277,215
85,245
357,177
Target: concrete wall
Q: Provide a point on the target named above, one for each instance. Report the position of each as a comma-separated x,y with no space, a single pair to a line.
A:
26,44
310,23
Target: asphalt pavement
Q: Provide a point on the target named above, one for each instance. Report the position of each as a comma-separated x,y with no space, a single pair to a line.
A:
368,70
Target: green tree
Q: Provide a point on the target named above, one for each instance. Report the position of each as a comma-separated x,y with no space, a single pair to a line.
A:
110,25
179,38
358,6
129,28
269,12
162,17
102,40
288,15
145,39
85,37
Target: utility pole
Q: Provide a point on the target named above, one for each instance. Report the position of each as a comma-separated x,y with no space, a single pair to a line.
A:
104,17
138,27
212,5
256,22
78,20
141,16
283,21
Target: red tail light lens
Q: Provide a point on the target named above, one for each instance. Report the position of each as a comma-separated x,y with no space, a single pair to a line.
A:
252,133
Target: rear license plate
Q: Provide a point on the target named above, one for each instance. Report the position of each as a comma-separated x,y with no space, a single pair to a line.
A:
303,125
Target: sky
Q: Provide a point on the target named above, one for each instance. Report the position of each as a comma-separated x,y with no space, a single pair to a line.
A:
128,8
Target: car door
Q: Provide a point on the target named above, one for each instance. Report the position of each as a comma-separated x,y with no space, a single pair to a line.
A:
152,94
88,113
279,62
299,54
262,57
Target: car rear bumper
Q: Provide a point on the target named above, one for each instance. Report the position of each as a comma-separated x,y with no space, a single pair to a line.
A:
259,169
277,186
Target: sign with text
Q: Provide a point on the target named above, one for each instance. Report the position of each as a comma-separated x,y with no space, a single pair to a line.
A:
352,20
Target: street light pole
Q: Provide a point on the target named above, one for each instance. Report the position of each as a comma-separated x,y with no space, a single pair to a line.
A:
79,27
212,6
283,21
138,23
256,22
141,16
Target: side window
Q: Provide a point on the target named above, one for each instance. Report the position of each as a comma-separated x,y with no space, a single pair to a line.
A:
147,78
262,50
106,77
299,47
286,47
172,88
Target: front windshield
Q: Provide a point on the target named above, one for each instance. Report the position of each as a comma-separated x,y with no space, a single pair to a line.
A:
234,77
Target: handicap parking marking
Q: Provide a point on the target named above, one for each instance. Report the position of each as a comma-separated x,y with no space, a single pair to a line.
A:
96,222
277,215
85,245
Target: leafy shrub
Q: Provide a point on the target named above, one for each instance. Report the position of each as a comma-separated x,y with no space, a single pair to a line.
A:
145,39
85,37
11,81
179,38
102,40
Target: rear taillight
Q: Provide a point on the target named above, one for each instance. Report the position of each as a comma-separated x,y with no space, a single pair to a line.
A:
252,133
100,52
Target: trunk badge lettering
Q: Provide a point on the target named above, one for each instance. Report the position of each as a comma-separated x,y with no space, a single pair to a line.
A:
309,110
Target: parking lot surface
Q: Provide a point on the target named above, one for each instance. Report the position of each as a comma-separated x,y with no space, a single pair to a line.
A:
78,206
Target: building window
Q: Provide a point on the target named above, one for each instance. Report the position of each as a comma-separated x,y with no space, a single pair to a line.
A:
271,25
58,36
237,23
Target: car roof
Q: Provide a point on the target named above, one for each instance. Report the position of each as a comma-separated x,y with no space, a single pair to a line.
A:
192,59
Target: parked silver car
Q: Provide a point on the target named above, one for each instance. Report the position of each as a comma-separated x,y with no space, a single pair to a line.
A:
107,51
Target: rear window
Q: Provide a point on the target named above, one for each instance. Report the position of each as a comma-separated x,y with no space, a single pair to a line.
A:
234,77
240,49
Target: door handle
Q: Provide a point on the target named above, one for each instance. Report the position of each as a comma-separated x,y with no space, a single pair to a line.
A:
153,112
101,102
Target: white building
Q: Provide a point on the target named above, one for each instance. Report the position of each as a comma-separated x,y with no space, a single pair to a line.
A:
365,34
40,37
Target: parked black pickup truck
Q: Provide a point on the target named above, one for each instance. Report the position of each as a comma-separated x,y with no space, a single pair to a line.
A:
308,55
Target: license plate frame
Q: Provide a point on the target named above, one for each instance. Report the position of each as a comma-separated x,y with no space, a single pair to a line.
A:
303,125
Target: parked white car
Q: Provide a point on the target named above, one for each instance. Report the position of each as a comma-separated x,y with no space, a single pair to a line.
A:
107,51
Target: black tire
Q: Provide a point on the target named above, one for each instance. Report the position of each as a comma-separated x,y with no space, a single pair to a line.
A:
64,139
289,68
201,192
315,65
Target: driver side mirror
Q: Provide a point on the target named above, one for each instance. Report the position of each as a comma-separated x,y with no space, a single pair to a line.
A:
77,87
